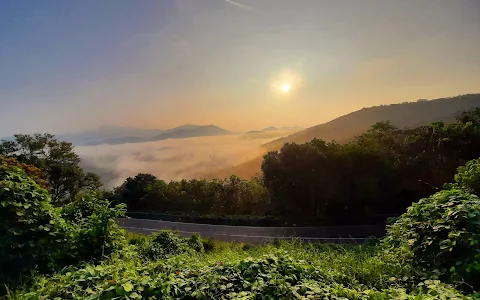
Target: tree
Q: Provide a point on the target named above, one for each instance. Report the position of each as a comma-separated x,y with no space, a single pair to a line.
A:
471,115
57,160
134,189
468,177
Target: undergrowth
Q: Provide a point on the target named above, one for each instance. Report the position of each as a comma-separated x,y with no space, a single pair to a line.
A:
287,270
432,251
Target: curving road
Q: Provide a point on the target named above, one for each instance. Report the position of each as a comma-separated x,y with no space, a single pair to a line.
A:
256,235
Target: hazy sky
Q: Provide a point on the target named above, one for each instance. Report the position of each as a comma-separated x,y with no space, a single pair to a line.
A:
74,65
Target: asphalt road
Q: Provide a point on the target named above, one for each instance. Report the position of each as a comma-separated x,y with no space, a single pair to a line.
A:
256,235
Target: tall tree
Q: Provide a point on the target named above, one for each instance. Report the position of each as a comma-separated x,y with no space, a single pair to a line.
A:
57,160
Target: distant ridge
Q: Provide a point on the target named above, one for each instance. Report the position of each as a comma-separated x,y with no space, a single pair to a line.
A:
184,131
116,135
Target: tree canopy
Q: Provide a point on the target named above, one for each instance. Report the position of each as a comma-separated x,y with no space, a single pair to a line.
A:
57,160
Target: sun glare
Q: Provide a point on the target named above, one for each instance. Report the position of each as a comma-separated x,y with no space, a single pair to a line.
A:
285,88
285,82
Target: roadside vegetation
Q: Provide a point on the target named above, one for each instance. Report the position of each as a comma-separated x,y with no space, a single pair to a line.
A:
59,240
76,251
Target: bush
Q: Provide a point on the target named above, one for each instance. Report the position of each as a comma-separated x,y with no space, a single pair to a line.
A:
440,236
95,232
36,235
32,233
166,243
468,176
208,244
196,243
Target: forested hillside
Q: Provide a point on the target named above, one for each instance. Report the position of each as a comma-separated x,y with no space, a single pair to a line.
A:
422,112
345,128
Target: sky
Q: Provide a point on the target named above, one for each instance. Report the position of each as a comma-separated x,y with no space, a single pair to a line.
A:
70,66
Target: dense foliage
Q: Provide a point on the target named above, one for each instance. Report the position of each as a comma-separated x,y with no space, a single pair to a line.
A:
286,271
36,235
468,177
164,244
57,160
145,192
96,233
381,172
33,172
31,230
440,235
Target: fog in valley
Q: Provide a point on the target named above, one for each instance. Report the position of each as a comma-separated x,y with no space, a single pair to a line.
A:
172,159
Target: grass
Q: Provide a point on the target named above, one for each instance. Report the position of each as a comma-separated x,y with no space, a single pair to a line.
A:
284,270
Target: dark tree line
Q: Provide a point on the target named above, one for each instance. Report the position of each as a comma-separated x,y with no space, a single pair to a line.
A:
381,172
233,196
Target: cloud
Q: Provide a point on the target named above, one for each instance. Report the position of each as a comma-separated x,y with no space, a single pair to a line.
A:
172,159
239,4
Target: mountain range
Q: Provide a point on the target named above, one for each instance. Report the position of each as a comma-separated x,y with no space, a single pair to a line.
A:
115,135
150,135
344,129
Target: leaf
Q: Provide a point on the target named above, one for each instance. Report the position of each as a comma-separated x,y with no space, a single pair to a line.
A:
127,286
134,295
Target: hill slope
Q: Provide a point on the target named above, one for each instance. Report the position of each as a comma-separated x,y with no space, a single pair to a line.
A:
345,128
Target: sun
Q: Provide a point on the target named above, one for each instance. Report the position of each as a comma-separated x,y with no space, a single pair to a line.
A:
285,88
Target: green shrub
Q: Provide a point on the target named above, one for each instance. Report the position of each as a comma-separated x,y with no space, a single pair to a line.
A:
468,176
32,233
208,244
166,243
440,236
36,235
195,242
95,232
